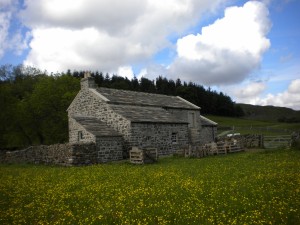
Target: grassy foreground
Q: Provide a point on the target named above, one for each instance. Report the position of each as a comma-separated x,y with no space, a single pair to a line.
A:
258,187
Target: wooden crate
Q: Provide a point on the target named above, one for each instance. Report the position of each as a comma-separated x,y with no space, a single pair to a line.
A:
150,155
141,156
222,147
136,156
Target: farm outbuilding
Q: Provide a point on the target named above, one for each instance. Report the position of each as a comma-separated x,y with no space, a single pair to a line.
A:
209,129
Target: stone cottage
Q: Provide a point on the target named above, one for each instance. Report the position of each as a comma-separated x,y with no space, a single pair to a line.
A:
116,120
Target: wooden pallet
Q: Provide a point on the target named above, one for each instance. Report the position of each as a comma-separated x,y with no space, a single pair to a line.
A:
142,156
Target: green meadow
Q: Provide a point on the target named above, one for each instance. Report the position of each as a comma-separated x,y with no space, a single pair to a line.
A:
247,126
253,187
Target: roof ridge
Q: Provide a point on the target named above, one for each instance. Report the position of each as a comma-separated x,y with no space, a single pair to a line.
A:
115,96
140,92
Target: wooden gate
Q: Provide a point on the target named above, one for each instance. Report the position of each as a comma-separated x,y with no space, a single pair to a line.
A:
280,141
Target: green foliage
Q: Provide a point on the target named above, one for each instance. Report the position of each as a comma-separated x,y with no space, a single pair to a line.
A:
245,188
33,107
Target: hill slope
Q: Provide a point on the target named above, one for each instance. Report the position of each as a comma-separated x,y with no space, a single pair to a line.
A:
270,113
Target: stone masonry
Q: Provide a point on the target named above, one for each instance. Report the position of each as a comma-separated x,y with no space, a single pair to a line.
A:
146,135
67,154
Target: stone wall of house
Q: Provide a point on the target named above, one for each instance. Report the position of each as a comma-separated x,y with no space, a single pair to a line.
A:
107,149
195,129
183,115
74,128
87,103
208,134
83,154
159,136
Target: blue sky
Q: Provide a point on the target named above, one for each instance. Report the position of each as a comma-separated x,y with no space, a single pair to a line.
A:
247,49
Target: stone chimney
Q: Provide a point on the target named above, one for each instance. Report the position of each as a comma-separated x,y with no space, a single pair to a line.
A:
88,81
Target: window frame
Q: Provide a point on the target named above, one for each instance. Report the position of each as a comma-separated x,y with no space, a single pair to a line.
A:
80,135
174,137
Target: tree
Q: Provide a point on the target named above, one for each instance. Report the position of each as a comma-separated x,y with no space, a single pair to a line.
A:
147,85
135,86
47,120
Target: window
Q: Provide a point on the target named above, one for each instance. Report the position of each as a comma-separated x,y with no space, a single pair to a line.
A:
174,138
80,135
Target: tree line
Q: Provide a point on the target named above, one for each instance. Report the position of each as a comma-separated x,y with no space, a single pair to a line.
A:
34,104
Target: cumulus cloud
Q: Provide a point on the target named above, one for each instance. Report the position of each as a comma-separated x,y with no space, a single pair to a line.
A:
4,25
105,35
228,50
10,41
58,49
126,71
249,91
252,93
289,98
294,87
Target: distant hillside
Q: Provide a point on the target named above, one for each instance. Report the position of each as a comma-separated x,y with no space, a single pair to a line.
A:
270,113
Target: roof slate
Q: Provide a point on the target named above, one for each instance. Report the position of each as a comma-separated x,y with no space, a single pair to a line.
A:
146,114
144,99
207,122
96,127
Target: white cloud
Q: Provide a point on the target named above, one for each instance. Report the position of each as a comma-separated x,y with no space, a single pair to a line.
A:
112,16
249,91
107,34
289,98
10,40
126,71
6,3
58,49
228,50
294,87
4,25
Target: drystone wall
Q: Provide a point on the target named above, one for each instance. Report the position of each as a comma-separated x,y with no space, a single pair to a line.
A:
66,154
144,135
2,156
54,154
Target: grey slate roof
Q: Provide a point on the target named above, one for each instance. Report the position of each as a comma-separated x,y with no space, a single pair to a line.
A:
207,122
146,114
96,127
144,99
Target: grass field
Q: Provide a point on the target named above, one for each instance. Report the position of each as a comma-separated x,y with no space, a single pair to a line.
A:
246,126
257,187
